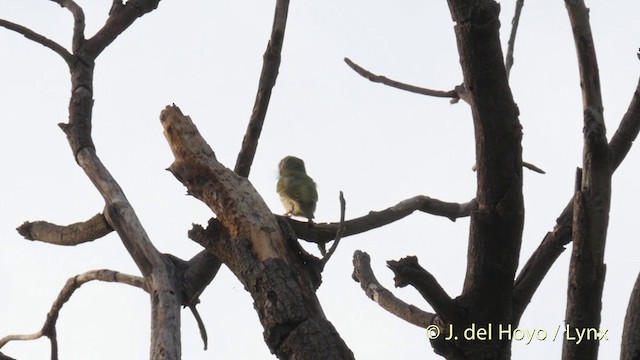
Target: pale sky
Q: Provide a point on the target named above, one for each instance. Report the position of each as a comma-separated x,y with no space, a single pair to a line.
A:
377,144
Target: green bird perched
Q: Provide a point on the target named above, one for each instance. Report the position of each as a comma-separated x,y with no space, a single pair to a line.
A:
297,190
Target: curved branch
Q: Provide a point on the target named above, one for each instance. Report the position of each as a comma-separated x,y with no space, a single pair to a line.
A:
78,22
398,85
270,66
40,39
322,233
363,274
48,329
408,272
68,235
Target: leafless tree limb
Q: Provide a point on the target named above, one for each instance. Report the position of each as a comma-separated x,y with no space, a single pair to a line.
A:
375,219
363,274
631,332
408,272
201,327
69,235
592,198
40,39
512,37
398,85
627,131
339,233
270,67
553,243
48,329
121,16
78,22
533,167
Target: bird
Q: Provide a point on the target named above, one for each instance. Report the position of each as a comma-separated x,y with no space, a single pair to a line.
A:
296,189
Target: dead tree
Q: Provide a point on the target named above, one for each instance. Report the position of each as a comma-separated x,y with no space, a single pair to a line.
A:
262,250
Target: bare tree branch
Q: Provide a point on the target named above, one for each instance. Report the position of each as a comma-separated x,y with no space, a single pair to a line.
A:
408,272
48,329
553,244
631,331
363,274
42,40
270,66
326,232
533,167
398,85
69,235
512,37
78,23
121,16
627,131
339,234
592,199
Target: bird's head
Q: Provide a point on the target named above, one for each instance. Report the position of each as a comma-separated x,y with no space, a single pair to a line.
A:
291,163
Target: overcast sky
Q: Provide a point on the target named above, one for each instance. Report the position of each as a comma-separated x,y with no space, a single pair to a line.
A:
377,144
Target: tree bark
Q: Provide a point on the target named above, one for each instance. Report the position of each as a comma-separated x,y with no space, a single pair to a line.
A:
247,238
496,226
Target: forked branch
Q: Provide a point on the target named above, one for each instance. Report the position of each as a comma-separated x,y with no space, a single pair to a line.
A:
408,272
363,274
553,243
49,327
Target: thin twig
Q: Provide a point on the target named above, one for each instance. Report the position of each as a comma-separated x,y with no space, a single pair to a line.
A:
363,274
512,38
398,85
268,76
339,233
40,39
201,327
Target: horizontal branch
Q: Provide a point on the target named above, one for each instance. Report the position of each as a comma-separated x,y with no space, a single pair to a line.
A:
48,329
322,233
363,274
398,85
408,272
40,39
69,235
